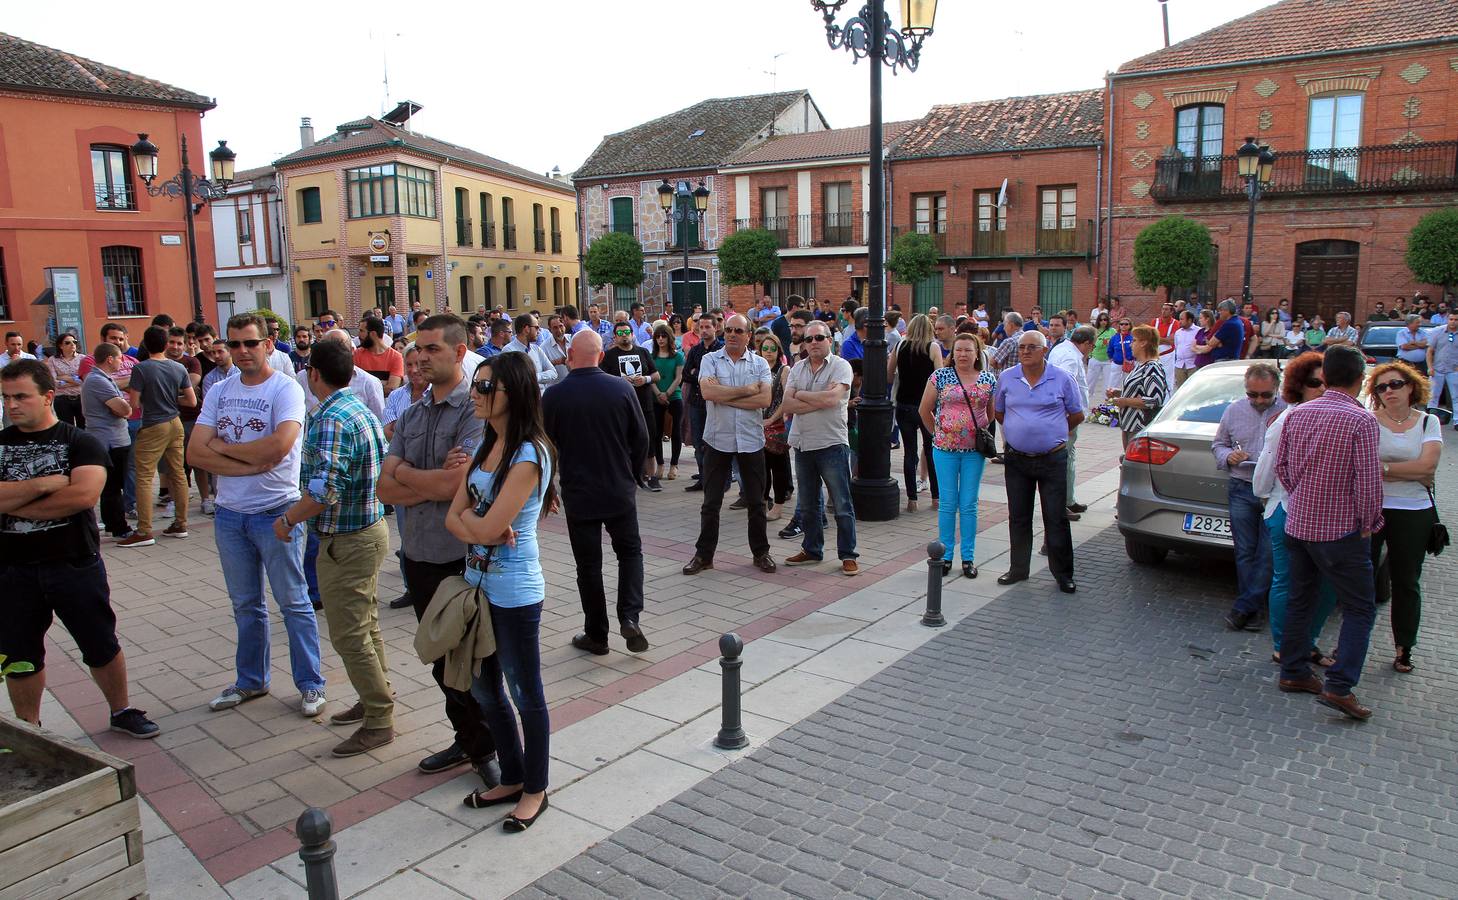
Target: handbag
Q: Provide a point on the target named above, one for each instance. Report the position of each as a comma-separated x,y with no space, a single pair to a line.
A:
983,441
1438,533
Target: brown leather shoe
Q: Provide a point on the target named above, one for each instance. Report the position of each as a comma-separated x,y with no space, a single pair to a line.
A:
697,565
349,716
1308,685
800,559
765,564
849,567
363,741
1346,704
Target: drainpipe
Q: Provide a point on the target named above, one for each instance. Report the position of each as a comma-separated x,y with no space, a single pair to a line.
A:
1109,184
1098,237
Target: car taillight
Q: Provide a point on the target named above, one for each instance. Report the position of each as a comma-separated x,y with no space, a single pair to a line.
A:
1148,450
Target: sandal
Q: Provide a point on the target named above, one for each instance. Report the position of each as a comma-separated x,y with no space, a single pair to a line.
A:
1403,662
479,800
1321,659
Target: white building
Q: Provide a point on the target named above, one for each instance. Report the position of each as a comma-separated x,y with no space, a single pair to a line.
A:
248,244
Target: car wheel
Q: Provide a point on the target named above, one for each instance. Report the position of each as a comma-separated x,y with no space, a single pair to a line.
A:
1144,554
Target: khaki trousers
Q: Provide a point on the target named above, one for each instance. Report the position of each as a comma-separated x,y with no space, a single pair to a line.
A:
156,443
348,566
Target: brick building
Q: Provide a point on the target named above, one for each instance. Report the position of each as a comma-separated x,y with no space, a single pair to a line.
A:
1009,191
248,245
81,242
1359,101
809,190
617,189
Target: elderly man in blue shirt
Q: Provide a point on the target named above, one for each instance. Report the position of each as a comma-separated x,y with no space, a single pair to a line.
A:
1038,406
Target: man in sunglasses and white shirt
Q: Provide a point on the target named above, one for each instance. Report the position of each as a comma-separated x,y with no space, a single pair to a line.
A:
1443,363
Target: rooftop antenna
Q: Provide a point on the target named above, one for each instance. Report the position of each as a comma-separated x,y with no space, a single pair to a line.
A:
385,68
1164,13
774,71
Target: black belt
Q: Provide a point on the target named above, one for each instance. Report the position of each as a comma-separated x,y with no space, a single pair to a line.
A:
1061,446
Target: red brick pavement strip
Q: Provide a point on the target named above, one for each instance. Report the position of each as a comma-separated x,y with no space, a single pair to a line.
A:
226,848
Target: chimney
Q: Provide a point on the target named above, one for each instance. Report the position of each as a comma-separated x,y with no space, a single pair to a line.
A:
306,132
1164,14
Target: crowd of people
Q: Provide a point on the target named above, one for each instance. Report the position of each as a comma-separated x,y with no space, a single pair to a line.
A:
470,430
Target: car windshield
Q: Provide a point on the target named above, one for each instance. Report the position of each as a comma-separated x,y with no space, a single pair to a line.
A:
1381,335
1204,398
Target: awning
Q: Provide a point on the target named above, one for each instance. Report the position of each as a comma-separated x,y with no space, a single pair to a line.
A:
46,297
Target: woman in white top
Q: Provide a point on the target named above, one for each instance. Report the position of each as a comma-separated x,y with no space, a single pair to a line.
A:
1410,444
1184,343
1301,381
1296,336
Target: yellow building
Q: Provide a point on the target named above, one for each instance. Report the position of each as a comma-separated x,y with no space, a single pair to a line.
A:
379,215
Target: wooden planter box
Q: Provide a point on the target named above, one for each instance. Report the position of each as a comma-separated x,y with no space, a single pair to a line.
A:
69,820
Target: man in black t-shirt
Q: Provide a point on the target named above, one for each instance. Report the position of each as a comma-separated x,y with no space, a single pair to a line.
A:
633,364
51,475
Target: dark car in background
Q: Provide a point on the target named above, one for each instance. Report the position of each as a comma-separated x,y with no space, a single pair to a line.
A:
1379,341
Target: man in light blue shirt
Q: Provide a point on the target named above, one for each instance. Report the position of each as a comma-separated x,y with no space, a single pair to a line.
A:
1412,344
526,342
642,331
395,324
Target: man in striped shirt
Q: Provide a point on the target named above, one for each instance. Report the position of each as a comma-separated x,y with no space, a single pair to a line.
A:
1327,461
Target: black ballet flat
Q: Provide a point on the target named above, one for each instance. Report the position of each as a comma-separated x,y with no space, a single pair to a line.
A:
477,799
946,567
514,825
969,570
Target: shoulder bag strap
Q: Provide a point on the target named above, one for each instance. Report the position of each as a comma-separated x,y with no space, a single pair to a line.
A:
965,399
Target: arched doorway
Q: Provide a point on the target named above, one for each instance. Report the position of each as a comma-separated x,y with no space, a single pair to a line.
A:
698,282
1326,279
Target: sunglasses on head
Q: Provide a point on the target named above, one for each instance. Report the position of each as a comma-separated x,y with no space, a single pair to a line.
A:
1260,395
1393,385
483,386
250,343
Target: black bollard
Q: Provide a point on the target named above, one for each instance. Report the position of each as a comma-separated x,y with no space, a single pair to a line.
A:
933,617
317,851
731,730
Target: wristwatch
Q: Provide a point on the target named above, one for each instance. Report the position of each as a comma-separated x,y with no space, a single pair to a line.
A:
1386,469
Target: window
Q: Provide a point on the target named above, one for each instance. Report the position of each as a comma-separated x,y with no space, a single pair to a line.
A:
412,289
556,292
389,188
263,299
310,212
837,226
774,211
463,217
508,229
112,178
317,290
488,227
511,292
1057,219
1055,290
488,291
991,236
1335,125
121,276
624,296
539,233
621,215
541,288
4,296
930,213
556,222
245,224
468,291
1200,140
787,287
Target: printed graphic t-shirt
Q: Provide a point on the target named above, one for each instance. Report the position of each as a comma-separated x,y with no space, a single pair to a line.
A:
58,450
242,413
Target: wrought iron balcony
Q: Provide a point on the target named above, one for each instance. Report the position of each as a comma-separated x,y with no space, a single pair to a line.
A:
556,242
488,234
1383,169
463,232
508,236
800,232
1016,240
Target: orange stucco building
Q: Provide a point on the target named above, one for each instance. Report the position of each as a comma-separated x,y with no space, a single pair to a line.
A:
78,232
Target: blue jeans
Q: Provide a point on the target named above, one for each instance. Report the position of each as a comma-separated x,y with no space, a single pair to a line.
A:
517,660
129,487
1345,564
1252,547
959,481
831,465
247,551
1450,381
311,566
1280,581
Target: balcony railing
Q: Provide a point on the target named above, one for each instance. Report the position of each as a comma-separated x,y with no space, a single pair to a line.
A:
1390,168
966,240
488,234
556,242
508,236
539,240
800,232
463,232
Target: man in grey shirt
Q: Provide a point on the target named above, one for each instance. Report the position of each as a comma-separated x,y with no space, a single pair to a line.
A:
106,412
1237,446
735,385
156,385
434,440
1443,362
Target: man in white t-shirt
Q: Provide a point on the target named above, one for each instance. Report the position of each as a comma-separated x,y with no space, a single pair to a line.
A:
248,435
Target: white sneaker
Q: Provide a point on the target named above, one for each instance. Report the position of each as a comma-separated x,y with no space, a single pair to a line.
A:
232,696
313,704
209,508
167,510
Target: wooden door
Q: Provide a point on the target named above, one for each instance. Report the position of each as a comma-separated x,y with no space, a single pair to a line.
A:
1326,279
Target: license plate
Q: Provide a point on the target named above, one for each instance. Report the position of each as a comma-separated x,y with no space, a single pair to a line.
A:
1216,525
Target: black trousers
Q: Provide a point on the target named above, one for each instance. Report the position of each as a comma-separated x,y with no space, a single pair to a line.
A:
908,417
1048,476
672,411
68,410
113,515
778,483
751,483
586,538
421,580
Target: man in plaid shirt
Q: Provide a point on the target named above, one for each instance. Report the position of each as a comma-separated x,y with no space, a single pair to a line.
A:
1327,460
344,447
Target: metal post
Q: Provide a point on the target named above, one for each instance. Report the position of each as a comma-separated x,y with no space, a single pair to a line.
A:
731,732
933,617
683,291
875,495
316,849
1252,188
187,187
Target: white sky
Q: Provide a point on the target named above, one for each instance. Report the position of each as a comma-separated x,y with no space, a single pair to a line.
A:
538,83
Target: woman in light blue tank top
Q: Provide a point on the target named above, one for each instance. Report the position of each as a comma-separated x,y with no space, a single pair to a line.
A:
495,512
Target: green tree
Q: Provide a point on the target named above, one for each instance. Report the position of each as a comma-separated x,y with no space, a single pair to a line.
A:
1172,253
1432,249
284,331
913,257
751,256
616,259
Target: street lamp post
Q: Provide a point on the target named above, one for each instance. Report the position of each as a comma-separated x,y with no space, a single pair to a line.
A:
870,35
189,187
1254,164
688,214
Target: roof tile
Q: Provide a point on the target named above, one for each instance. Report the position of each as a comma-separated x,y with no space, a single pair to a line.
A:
1073,119
1295,27
828,144
28,66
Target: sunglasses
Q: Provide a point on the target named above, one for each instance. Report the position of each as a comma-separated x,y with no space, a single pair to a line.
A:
736,331
1028,348
1385,386
483,386
1315,383
327,323
768,348
250,344
1260,395
623,331
817,338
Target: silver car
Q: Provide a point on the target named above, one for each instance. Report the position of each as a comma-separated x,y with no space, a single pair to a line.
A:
1171,496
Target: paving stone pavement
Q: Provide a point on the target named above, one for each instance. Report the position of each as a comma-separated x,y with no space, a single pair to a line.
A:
1115,743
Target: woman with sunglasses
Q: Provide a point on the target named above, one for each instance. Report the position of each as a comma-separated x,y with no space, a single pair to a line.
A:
1409,445
1273,336
1098,360
1121,355
65,366
668,399
1300,381
495,511
956,401
777,482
